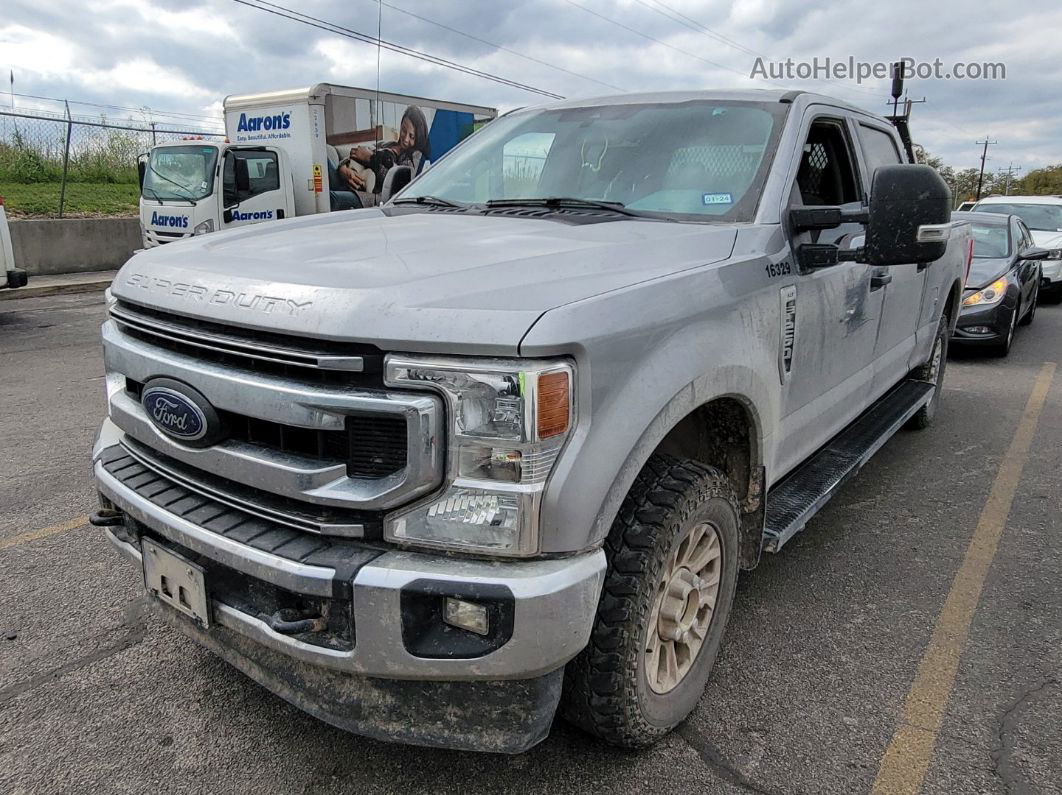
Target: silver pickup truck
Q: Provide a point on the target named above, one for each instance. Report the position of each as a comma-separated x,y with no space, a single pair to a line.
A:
436,470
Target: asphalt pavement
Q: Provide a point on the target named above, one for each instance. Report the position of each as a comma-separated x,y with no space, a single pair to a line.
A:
880,632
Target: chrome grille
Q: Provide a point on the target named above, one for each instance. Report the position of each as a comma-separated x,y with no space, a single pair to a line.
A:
212,340
337,444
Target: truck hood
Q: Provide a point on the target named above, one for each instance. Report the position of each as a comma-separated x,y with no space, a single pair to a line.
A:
417,281
1045,238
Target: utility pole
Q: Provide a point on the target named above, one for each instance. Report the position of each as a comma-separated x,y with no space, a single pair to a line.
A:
1011,169
984,156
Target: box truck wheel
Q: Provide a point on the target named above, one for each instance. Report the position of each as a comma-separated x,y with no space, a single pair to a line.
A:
672,572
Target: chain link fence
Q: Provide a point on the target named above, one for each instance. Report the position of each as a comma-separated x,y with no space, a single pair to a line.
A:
52,165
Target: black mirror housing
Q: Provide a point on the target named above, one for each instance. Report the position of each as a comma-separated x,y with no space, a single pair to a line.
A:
903,198
141,170
1036,253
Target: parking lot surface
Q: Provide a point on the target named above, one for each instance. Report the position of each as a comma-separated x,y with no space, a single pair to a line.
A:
917,620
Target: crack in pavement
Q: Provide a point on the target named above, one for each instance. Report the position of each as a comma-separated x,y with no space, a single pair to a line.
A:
711,756
1002,763
135,631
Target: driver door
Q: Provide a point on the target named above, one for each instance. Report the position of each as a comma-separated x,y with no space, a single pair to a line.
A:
251,187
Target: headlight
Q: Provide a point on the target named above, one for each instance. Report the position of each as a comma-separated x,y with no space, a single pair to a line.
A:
109,301
1055,253
992,294
508,420
204,227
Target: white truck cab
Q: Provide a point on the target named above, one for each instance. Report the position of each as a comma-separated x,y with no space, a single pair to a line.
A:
289,153
194,187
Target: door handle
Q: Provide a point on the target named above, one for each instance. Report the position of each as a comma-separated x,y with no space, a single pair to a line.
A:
879,280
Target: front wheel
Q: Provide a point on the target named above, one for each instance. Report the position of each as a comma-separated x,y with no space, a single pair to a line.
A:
672,573
1002,349
933,372
1034,302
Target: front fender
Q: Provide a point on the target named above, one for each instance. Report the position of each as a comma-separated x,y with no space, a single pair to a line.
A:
642,370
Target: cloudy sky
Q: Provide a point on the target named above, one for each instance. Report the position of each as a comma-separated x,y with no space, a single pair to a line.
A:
183,58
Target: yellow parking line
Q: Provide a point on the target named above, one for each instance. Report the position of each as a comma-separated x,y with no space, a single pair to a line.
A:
903,766
44,532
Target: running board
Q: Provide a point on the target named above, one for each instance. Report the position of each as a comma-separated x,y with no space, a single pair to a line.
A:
808,488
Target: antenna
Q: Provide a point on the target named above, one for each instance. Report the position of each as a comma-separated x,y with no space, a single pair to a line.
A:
901,120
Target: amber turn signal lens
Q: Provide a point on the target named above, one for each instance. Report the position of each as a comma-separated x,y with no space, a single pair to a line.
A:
554,401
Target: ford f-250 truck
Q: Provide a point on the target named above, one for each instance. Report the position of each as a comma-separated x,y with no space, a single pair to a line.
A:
434,469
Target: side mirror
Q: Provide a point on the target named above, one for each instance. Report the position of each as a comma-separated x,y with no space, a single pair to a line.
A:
141,170
902,199
1035,253
243,176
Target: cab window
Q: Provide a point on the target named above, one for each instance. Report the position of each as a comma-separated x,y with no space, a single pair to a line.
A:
826,176
879,148
263,175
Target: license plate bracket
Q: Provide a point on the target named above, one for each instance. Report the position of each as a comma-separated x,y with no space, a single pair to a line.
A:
177,581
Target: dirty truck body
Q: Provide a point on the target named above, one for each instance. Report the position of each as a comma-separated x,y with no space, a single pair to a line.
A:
430,469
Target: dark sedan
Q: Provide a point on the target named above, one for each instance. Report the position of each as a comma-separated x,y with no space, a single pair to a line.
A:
1003,286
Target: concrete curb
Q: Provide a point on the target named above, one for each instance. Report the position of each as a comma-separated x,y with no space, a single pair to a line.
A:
68,283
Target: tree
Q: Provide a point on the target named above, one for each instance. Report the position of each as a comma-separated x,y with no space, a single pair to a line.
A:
1039,182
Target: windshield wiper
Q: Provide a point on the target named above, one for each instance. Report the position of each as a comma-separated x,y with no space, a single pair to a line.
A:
434,201
569,201
158,173
155,194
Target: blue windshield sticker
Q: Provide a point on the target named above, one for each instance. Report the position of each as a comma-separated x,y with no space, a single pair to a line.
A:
717,198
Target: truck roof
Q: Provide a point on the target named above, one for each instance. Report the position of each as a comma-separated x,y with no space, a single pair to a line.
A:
1021,200
315,94
797,97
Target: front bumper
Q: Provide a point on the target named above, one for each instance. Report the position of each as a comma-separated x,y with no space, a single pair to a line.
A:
996,319
499,699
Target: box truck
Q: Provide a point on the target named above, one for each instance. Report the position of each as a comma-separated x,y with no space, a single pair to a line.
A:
297,152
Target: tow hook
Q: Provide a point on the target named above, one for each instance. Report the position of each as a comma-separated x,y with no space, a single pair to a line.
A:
294,622
107,517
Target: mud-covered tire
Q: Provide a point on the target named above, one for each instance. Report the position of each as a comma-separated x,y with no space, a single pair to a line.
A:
606,689
933,370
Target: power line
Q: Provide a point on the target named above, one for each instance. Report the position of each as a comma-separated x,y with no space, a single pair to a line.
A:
637,32
503,49
331,27
694,25
149,110
676,16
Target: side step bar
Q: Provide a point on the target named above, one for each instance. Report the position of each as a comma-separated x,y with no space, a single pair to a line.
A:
803,492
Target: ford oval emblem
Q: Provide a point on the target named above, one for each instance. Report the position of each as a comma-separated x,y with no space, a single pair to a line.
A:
177,412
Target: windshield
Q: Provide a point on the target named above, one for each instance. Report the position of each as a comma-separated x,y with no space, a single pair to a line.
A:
990,241
1043,217
183,173
701,160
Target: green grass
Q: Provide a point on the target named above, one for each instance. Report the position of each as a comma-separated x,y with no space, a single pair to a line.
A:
83,199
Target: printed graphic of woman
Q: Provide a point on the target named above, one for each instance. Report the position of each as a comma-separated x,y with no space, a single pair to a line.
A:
411,149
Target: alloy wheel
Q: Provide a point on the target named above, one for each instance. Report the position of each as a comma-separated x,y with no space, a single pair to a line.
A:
684,607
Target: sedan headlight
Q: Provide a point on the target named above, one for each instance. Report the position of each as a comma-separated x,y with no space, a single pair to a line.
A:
986,296
508,420
1055,253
